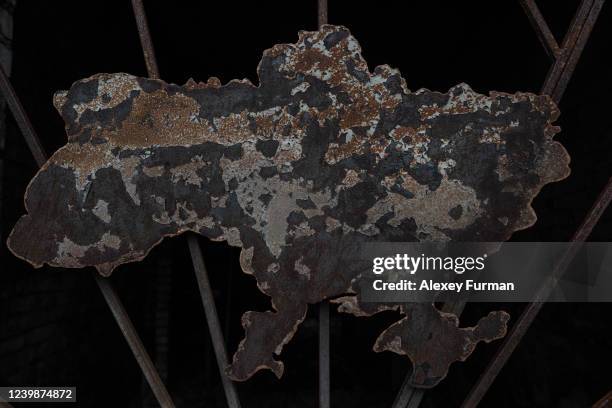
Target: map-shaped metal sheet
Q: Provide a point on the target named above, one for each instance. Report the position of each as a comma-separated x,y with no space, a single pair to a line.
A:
299,170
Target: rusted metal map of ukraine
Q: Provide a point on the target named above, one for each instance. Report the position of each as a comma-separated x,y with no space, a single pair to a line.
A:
321,156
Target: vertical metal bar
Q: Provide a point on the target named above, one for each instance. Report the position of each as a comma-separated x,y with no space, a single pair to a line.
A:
115,304
545,36
212,318
324,356
22,119
324,319
529,314
145,39
138,349
322,12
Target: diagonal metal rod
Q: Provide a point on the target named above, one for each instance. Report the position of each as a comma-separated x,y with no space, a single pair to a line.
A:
555,84
529,314
145,39
406,394
545,36
131,336
214,327
573,44
22,120
604,402
197,259
576,50
113,301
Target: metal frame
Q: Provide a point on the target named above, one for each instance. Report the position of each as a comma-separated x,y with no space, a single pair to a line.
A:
565,59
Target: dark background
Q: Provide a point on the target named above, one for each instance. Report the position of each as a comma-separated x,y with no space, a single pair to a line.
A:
55,328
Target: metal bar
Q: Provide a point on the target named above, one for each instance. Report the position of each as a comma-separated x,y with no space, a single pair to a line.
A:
545,36
116,307
324,318
212,318
527,317
576,51
577,21
324,332
197,259
552,77
416,399
138,349
577,35
605,401
555,83
405,394
322,12
145,39
22,119
324,356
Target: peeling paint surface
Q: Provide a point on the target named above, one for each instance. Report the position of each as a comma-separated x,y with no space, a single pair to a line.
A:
298,171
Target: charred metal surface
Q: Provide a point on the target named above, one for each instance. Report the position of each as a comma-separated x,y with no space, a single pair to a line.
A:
320,156
431,338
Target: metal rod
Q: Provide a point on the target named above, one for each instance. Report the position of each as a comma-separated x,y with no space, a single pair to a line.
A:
527,317
322,12
145,39
552,77
324,356
416,399
576,51
324,319
22,119
605,401
545,36
554,85
197,259
577,21
405,394
116,307
130,335
577,35
212,318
